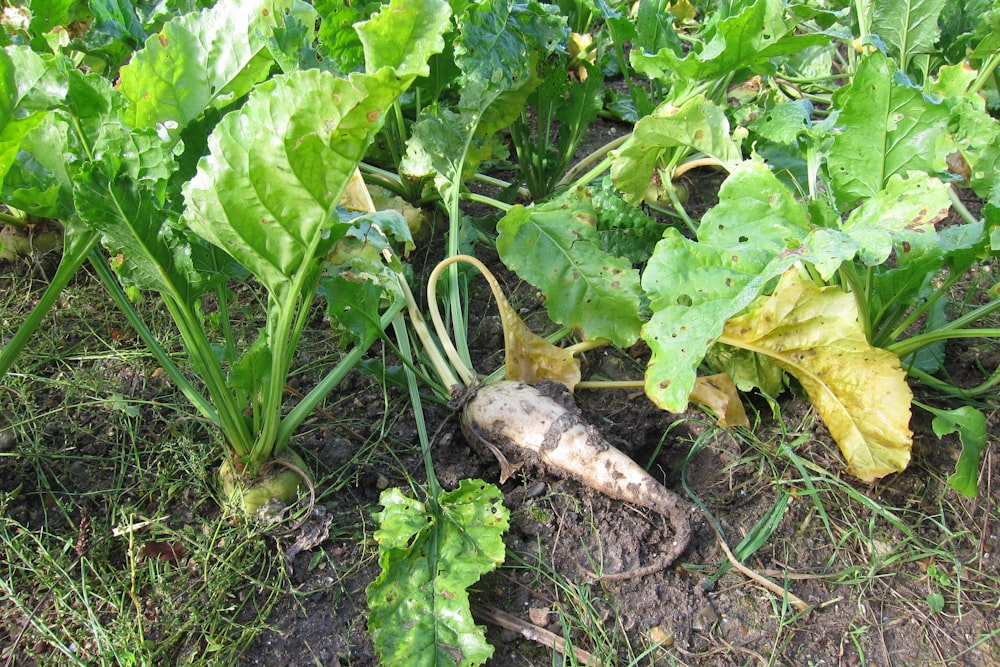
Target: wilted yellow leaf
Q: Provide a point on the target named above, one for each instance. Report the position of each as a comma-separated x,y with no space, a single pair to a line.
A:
386,201
860,391
529,357
718,393
356,196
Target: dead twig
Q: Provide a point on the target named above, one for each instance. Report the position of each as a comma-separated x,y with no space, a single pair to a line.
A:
531,632
797,603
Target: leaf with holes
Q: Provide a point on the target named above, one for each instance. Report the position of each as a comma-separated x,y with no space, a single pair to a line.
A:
429,554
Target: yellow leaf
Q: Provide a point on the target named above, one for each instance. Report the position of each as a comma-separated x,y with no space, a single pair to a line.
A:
356,196
718,393
860,391
529,357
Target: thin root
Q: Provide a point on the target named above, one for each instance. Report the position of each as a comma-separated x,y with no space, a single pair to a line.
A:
682,535
309,485
797,603
531,632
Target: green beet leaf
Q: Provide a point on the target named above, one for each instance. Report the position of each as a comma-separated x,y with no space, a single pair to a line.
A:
213,57
496,36
970,424
698,124
269,188
900,217
860,391
907,27
12,128
430,553
556,246
404,35
889,127
749,37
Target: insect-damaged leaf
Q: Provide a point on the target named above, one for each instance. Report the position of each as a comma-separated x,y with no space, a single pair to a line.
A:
860,391
556,246
430,553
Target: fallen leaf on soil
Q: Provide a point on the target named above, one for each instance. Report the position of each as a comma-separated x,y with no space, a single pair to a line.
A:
311,534
165,551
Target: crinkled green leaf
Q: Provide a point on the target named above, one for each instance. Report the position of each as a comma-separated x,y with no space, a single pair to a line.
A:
355,304
860,391
497,36
430,553
556,247
497,51
450,145
698,124
654,26
784,123
208,58
336,30
31,86
118,19
747,38
396,36
902,216
147,249
46,15
269,187
970,424
12,128
359,278
888,127
907,27
624,231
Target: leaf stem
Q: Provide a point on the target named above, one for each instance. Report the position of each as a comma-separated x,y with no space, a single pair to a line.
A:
960,207
467,375
489,201
78,246
14,220
399,328
600,156
910,345
444,372
309,402
985,72
200,403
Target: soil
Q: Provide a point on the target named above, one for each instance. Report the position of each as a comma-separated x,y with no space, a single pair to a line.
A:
836,544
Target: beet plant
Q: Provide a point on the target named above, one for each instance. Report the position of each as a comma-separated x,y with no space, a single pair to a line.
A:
183,156
221,154
822,261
